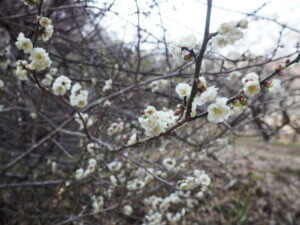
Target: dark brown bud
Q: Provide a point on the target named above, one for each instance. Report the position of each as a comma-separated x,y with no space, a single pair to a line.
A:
278,69
267,83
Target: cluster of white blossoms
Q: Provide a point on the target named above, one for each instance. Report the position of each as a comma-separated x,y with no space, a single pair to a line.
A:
155,122
251,84
174,207
88,121
61,85
181,49
24,43
39,59
97,204
158,85
21,71
200,178
115,128
47,28
229,33
135,184
81,173
108,85
218,111
78,97
204,94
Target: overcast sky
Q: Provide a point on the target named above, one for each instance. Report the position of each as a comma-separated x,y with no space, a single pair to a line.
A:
187,16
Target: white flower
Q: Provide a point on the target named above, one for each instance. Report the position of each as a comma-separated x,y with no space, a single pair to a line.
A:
90,148
132,139
234,75
39,59
78,96
204,180
169,163
155,122
228,33
61,85
1,84
79,174
107,103
24,43
173,218
127,210
135,184
188,183
176,52
183,90
115,128
107,85
243,23
47,80
89,122
221,41
226,28
275,86
250,77
252,88
48,32
53,71
187,41
219,111
21,71
209,94
201,83
180,49
97,204
114,166
235,35
44,21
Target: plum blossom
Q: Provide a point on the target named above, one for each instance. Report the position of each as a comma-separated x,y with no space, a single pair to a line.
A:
219,111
